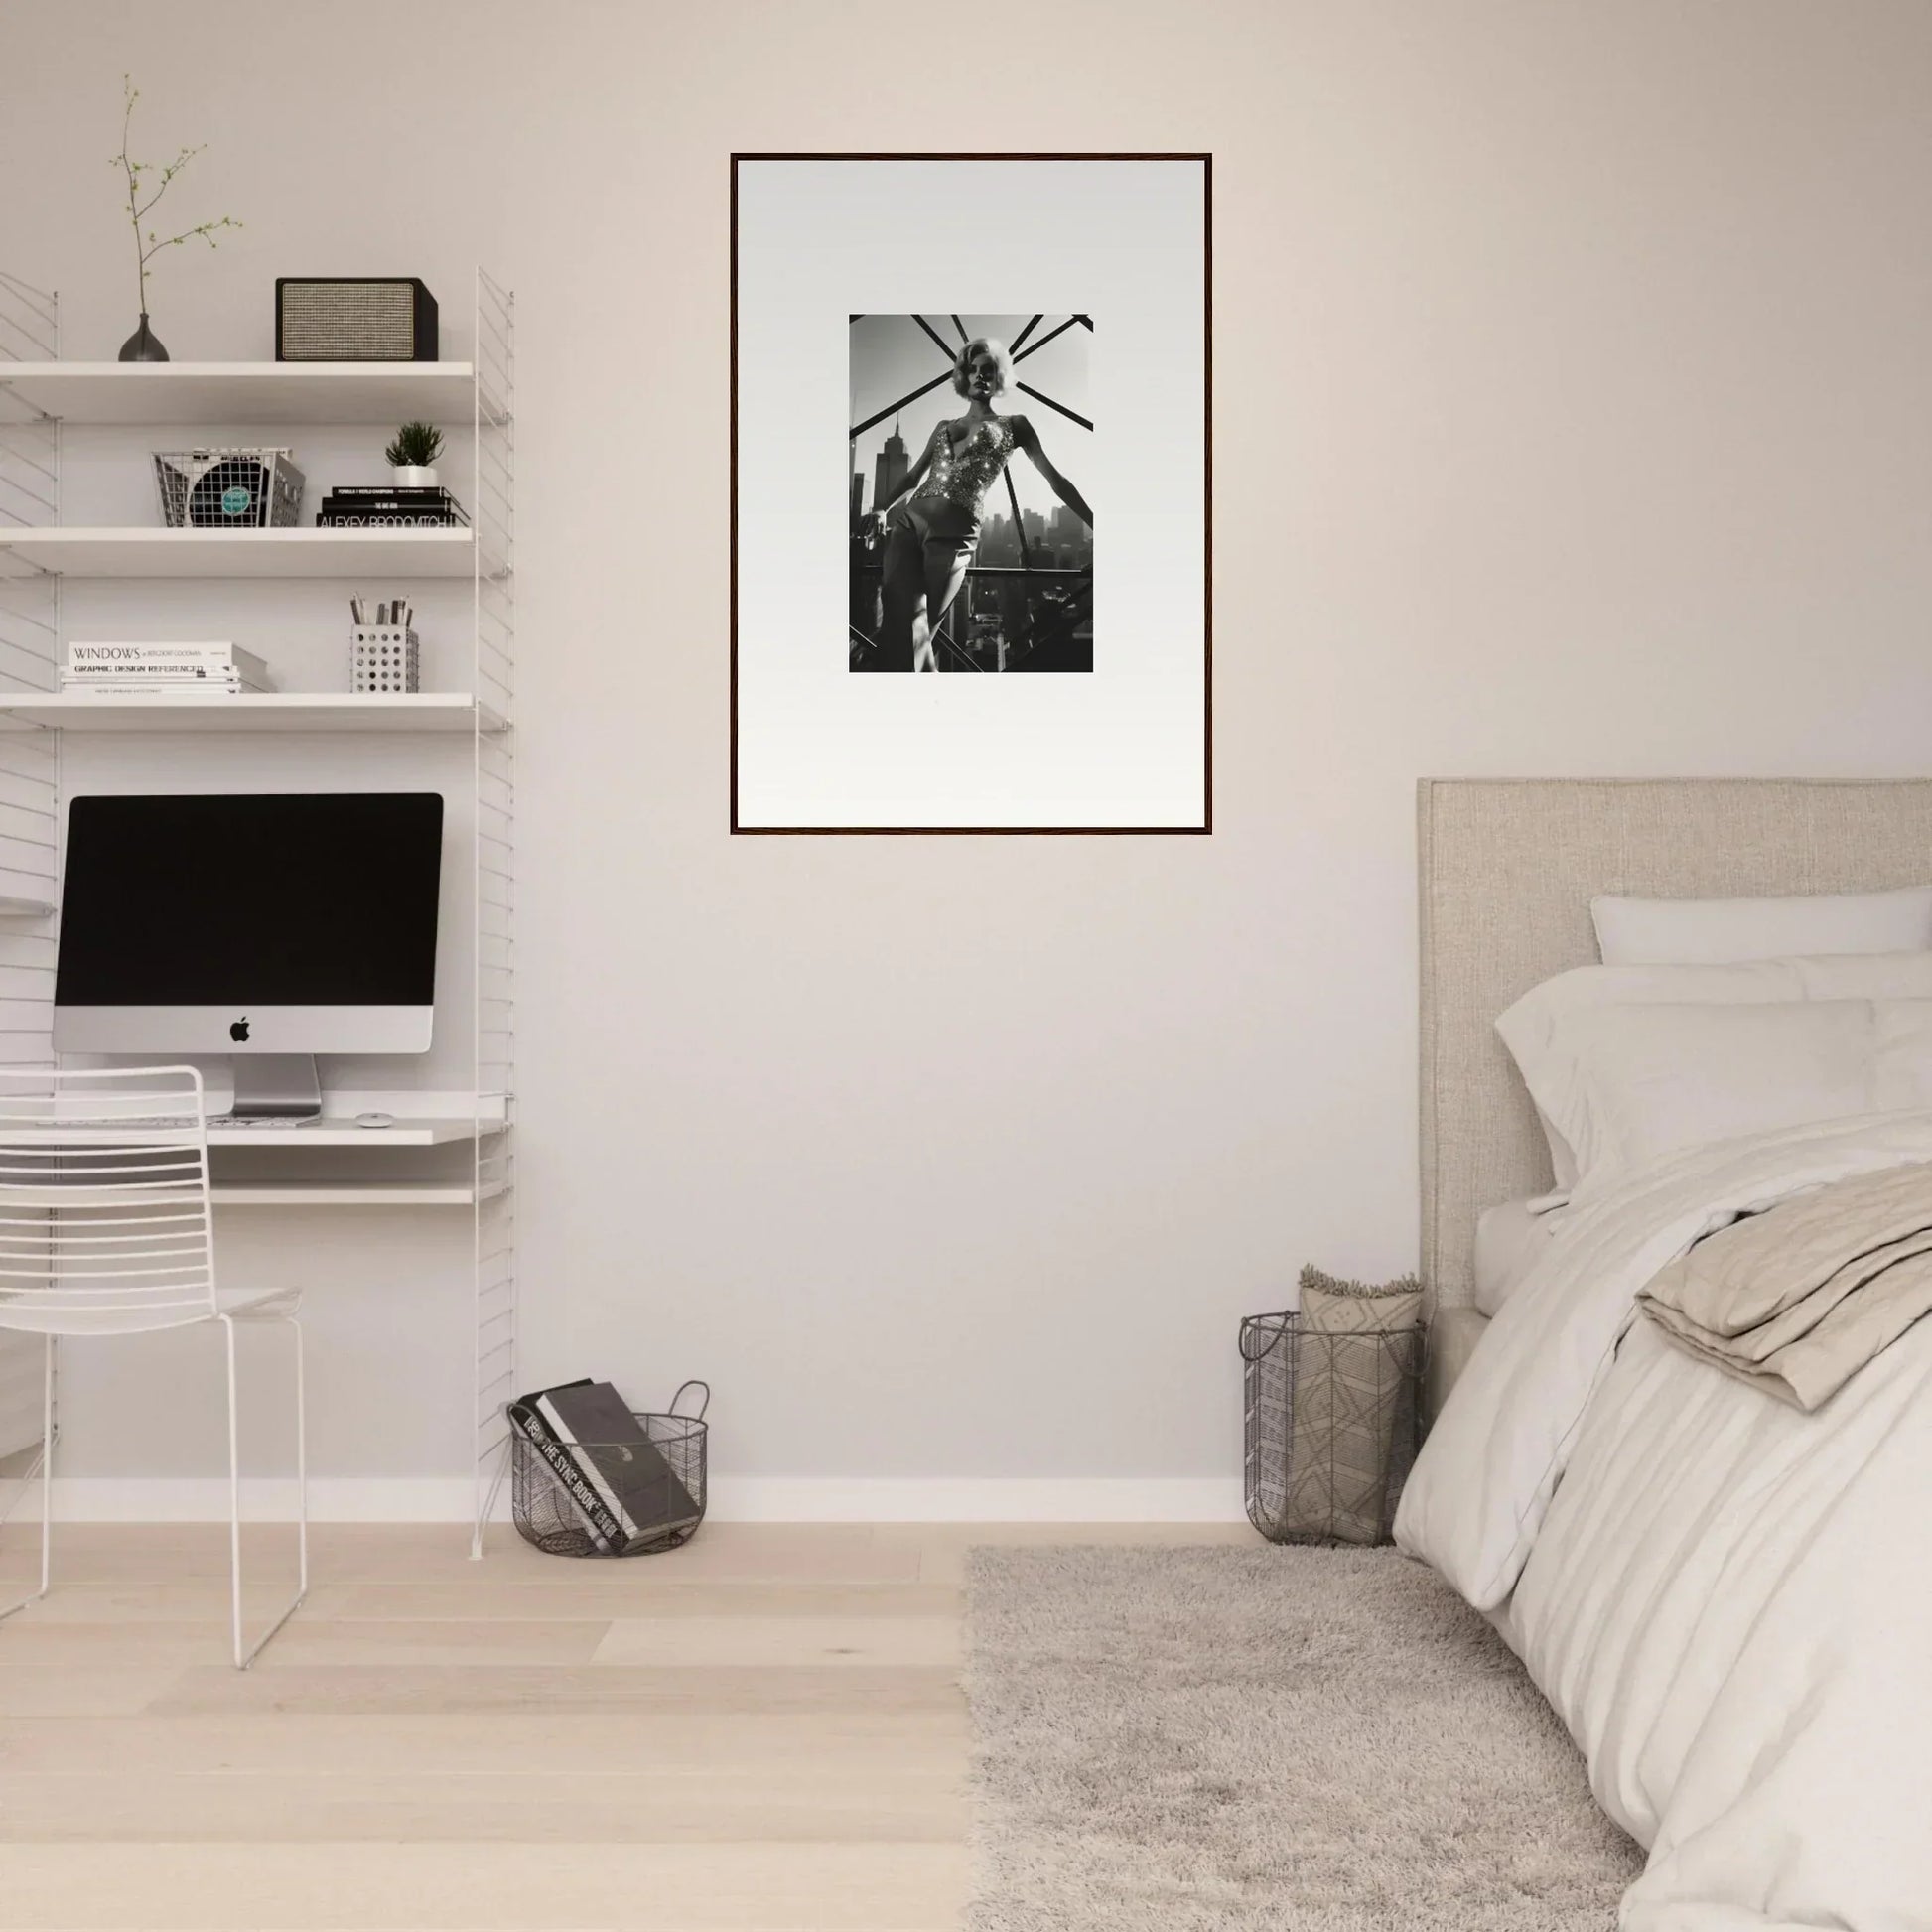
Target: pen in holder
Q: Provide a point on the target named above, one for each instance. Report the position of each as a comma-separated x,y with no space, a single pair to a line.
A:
383,658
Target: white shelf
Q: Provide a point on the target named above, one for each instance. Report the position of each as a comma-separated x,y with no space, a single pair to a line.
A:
274,711
300,552
244,392
127,410
345,1132
331,1131
345,1193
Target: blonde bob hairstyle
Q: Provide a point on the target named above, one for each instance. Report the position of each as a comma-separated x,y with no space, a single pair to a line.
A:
983,345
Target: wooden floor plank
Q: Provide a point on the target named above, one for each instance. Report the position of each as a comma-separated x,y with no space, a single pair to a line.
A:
113,1887
544,1746
196,1601
835,1642
304,1640
134,1553
849,1553
639,1689
613,1590
875,1806
97,1689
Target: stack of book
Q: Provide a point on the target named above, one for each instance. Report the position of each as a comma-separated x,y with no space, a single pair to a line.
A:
205,669
617,1478
387,506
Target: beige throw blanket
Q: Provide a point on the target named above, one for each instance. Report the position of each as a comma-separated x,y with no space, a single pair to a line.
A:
1355,1390
1797,1300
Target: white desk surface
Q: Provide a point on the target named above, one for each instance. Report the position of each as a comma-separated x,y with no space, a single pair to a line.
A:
330,1130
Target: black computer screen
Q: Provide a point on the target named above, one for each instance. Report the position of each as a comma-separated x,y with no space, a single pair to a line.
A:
264,899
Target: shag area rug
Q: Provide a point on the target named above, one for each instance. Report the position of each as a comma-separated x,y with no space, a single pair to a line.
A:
1227,1739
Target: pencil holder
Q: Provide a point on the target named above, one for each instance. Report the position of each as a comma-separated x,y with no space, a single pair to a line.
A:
382,657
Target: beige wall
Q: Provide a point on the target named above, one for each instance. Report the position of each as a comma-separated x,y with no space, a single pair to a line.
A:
1573,416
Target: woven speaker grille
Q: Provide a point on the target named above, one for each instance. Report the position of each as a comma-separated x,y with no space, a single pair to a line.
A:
343,321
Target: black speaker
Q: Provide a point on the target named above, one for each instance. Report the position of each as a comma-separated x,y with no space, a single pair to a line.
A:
353,318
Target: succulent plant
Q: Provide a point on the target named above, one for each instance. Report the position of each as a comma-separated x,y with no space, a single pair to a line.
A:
416,447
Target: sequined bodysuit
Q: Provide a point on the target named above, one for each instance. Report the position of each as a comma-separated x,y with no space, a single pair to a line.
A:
961,481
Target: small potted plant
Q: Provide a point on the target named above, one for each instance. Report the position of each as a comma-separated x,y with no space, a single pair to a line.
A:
412,455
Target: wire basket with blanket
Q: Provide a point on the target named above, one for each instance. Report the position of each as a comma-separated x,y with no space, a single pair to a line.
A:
1333,1400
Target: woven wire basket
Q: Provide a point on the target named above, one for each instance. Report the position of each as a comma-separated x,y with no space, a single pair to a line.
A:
227,489
1332,1425
546,1514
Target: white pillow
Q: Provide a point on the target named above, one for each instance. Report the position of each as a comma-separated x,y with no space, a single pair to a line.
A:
1529,1027
1717,931
1510,1241
1625,1085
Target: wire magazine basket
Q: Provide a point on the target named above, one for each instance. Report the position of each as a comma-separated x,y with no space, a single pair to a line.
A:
1332,1427
228,488
545,1492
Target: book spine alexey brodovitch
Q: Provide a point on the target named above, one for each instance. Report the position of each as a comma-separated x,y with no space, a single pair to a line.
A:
387,519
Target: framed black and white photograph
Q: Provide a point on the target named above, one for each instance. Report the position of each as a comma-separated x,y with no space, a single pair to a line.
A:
1064,386
971,551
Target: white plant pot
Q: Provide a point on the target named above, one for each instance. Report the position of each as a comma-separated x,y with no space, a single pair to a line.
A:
413,476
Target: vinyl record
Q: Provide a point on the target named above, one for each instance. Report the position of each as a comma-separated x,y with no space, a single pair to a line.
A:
230,492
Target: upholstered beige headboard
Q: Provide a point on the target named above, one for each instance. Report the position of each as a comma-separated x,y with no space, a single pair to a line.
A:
1507,868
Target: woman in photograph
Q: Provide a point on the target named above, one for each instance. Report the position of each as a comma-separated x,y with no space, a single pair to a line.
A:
930,529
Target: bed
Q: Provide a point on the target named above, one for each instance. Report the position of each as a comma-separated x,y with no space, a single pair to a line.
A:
1722,1597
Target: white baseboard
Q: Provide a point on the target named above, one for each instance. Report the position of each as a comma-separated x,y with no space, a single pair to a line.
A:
204,1499
968,1499
734,1499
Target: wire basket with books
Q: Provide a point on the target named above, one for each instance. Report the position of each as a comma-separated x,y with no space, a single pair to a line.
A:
589,1476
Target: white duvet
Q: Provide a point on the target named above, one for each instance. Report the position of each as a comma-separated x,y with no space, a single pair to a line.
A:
1729,1601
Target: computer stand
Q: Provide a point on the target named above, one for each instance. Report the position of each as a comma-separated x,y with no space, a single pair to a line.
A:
276,1086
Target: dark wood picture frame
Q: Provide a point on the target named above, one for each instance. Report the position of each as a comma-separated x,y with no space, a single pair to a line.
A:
1206,825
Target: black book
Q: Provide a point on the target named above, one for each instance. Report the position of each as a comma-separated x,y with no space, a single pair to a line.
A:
594,1427
364,518
375,506
443,508
526,1418
411,492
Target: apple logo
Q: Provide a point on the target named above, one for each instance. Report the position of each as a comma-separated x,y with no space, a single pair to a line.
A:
240,1031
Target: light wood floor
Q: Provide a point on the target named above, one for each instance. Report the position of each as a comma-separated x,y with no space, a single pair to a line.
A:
762,1730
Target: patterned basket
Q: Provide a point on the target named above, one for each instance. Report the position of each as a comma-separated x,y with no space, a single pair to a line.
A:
1332,1429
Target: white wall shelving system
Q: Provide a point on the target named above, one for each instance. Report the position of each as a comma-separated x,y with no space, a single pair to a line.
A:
38,395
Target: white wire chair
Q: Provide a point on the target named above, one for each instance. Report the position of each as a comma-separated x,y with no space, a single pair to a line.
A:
106,1228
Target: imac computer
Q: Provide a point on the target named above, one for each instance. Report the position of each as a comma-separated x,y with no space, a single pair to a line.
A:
270,926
